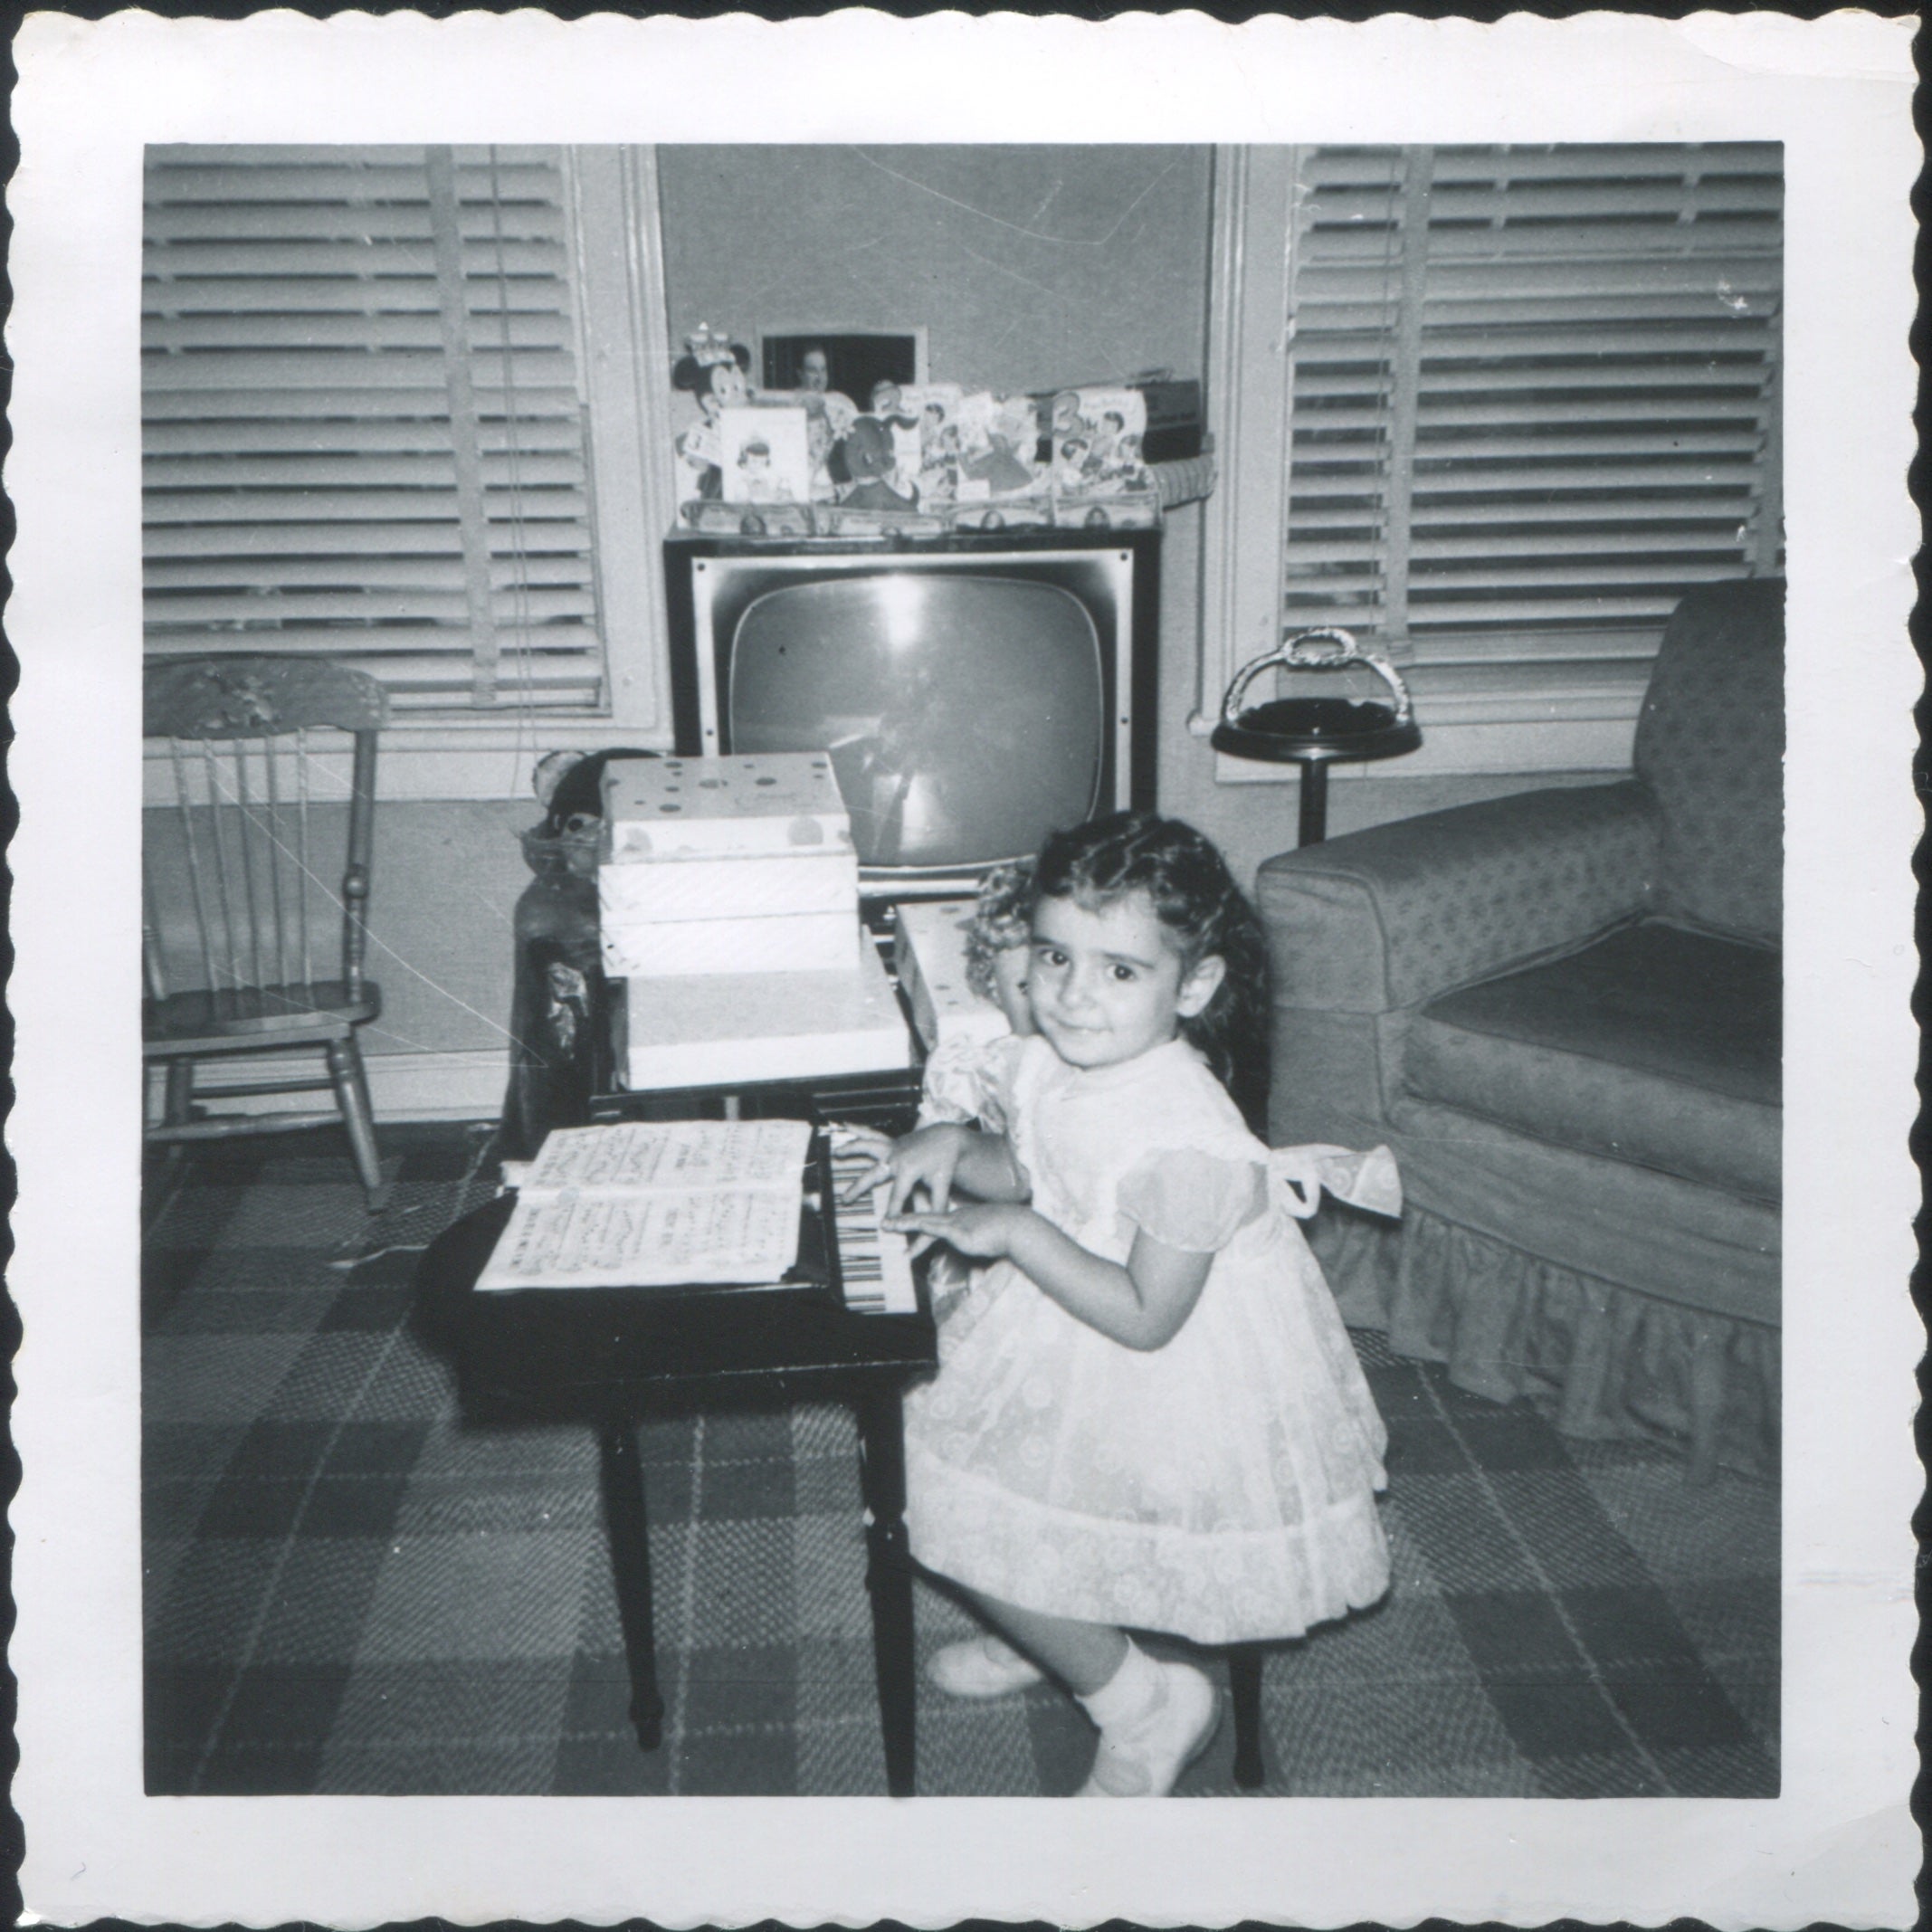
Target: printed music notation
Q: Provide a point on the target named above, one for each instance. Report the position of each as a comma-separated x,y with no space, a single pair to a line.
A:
643,1154
656,1204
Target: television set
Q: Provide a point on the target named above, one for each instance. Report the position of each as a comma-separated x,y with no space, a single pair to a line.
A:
974,693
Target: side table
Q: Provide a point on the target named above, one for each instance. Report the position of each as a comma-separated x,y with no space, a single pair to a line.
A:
1315,733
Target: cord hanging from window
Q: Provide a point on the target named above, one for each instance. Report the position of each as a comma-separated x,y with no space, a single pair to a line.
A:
465,444
513,448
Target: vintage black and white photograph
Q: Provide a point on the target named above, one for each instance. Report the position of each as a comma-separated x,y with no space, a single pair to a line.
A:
1529,454
832,1109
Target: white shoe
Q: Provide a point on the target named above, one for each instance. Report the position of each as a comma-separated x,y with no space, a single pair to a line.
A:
1143,1756
981,1667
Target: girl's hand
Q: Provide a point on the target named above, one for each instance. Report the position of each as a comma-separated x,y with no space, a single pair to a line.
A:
866,1143
983,1230
927,1159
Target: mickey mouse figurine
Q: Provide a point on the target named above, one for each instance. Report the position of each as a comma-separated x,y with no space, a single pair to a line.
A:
717,373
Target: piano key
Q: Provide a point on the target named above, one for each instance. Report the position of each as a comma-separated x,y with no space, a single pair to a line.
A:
875,1267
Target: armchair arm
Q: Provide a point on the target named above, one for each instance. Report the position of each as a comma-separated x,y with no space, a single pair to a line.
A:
1382,919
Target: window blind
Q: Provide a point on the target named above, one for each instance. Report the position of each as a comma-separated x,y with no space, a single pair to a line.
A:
1535,399
363,431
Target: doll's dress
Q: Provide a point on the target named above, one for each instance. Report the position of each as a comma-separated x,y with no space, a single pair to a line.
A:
966,1082
1221,1488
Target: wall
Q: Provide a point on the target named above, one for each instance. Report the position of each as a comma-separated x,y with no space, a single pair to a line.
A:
1030,267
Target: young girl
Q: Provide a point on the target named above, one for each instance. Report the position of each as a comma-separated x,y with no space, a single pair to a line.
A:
1147,1416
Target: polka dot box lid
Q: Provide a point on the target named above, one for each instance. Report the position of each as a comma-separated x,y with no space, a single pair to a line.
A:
688,808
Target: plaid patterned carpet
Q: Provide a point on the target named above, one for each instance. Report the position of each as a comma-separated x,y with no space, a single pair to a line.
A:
346,1592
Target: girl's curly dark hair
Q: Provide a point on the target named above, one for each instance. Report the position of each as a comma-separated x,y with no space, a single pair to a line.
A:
1195,897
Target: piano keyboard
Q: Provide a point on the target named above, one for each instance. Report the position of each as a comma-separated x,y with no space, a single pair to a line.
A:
874,1266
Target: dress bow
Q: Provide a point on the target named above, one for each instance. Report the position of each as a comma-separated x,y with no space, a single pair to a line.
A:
1301,1175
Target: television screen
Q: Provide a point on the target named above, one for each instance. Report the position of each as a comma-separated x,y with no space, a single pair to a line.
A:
976,690
965,714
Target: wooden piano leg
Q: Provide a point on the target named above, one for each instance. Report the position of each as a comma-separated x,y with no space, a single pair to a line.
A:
889,1578
1244,1681
628,1527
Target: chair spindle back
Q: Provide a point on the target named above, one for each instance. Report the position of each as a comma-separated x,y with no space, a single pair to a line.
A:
247,830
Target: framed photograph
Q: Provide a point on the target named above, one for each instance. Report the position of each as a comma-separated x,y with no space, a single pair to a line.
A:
854,359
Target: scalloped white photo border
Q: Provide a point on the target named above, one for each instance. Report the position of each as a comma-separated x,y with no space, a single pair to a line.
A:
1837,1844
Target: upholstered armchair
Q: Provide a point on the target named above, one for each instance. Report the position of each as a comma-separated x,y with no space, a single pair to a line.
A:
1562,1010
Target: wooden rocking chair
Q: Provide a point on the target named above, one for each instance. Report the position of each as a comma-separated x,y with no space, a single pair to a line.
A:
246,840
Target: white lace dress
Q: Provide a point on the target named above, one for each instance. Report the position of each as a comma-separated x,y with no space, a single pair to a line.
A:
1221,1488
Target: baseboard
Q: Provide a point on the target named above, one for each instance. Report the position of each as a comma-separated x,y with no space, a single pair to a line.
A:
458,1086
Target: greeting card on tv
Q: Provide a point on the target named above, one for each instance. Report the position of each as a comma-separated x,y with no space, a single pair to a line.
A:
1096,441
997,436
764,454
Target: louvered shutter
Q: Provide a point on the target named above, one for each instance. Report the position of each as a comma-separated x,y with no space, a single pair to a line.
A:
1535,400
363,433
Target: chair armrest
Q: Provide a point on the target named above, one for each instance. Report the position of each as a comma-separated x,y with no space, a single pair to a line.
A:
1382,919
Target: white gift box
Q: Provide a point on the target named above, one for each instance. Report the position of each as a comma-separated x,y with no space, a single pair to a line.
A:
673,889
928,952
715,1030
762,802
805,942
723,866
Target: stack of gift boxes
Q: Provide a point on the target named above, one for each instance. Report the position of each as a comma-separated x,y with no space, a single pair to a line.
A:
728,905
727,865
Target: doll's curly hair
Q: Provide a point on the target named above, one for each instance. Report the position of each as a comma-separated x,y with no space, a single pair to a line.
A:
1002,919
1195,897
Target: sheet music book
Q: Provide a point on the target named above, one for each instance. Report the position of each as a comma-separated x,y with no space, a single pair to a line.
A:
656,1204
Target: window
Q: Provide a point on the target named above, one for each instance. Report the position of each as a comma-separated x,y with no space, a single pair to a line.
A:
365,420
1527,398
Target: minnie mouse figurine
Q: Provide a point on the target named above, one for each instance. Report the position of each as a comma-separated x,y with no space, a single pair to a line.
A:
717,373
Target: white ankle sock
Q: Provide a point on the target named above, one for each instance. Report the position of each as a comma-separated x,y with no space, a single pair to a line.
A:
1129,1694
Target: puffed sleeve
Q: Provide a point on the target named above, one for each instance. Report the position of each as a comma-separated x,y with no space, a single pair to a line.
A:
1195,1200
